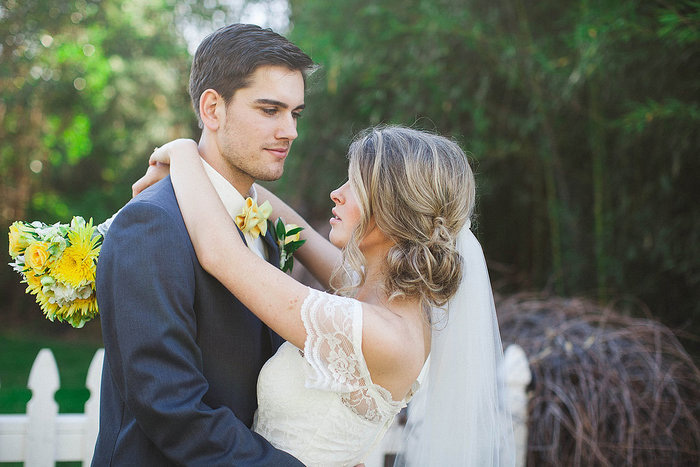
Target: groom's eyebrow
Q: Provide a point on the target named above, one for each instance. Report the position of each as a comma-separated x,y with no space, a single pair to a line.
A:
278,103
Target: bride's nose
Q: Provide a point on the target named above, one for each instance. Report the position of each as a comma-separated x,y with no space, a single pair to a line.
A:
336,196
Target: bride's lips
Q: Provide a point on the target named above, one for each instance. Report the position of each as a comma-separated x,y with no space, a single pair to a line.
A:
335,219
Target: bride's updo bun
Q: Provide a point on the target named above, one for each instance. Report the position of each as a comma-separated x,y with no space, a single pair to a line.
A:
418,189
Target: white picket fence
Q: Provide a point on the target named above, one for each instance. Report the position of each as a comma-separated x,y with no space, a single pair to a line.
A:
42,436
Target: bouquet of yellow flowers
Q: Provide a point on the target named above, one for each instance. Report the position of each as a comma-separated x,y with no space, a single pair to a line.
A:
58,263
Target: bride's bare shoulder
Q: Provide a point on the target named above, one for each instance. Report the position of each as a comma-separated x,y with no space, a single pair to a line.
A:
394,343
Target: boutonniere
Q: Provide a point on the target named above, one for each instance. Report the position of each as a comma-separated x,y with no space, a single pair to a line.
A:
287,238
253,219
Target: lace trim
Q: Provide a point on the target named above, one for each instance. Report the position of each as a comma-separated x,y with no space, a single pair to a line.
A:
333,349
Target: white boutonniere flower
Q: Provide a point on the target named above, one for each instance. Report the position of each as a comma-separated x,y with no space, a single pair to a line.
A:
287,237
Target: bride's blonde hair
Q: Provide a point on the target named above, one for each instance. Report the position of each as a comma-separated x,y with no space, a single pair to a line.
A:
419,190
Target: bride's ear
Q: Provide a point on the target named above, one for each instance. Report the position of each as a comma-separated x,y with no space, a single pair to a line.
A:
212,109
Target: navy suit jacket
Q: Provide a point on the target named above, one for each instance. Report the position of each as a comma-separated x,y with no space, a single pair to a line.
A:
182,354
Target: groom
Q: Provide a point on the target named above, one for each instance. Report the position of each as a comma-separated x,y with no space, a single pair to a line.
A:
182,355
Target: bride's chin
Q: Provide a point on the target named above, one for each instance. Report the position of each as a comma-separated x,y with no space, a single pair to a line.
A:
338,243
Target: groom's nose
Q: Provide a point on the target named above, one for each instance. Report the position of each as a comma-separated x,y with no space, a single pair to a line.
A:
287,128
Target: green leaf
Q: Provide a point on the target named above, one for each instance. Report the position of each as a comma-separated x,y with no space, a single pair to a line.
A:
289,265
293,246
280,230
294,231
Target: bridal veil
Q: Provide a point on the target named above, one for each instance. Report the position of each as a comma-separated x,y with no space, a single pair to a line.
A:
460,414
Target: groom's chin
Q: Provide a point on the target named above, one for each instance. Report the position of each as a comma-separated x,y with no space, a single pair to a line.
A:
271,176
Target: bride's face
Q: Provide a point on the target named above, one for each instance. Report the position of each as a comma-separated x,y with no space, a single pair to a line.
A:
346,215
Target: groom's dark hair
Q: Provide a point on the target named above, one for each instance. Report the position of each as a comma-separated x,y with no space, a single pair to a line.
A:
226,58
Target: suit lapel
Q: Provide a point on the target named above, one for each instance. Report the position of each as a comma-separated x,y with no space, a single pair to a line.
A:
273,251
242,236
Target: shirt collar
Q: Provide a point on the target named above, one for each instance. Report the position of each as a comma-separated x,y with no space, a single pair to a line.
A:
232,199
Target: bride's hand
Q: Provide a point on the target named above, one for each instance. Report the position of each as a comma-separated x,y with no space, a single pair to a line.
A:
159,164
156,172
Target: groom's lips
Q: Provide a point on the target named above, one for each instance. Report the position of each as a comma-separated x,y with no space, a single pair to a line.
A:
279,152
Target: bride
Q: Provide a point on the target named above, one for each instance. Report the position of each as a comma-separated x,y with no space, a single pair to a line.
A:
410,282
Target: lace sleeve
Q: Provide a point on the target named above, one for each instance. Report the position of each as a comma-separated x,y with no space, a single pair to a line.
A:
333,344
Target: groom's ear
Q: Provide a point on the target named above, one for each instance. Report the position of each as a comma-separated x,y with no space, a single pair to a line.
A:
212,109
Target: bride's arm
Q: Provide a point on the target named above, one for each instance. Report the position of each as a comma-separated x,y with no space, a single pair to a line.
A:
318,255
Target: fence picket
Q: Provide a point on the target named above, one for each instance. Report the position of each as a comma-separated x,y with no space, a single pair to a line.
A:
518,378
42,409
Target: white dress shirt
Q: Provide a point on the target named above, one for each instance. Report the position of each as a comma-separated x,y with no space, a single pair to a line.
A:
234,203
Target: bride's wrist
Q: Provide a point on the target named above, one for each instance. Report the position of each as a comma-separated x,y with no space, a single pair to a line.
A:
181,149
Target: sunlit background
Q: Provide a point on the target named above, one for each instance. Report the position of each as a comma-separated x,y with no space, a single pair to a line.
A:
580,117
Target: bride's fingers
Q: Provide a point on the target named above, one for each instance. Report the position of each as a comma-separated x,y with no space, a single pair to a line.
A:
163,153
139,185
156,172
159,163
160,155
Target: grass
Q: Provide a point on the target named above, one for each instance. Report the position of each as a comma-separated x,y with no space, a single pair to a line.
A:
18,349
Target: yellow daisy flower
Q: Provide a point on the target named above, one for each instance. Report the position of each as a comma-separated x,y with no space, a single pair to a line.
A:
47,307
79,311
76,266
33,281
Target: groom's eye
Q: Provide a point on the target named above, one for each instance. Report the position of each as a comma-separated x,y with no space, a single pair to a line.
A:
297,115
270,110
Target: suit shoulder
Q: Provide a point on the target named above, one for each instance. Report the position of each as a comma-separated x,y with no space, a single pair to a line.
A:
159,194
157,201
153,215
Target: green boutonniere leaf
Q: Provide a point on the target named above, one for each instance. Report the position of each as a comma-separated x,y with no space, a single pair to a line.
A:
288,239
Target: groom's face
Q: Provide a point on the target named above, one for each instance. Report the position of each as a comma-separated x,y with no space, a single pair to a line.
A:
261,123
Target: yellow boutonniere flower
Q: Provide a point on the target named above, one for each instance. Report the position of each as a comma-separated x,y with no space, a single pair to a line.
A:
253,219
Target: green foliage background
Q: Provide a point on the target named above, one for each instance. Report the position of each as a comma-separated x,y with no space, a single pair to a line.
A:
581,119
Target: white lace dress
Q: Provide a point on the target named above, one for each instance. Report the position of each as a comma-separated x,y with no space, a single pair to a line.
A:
320,405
